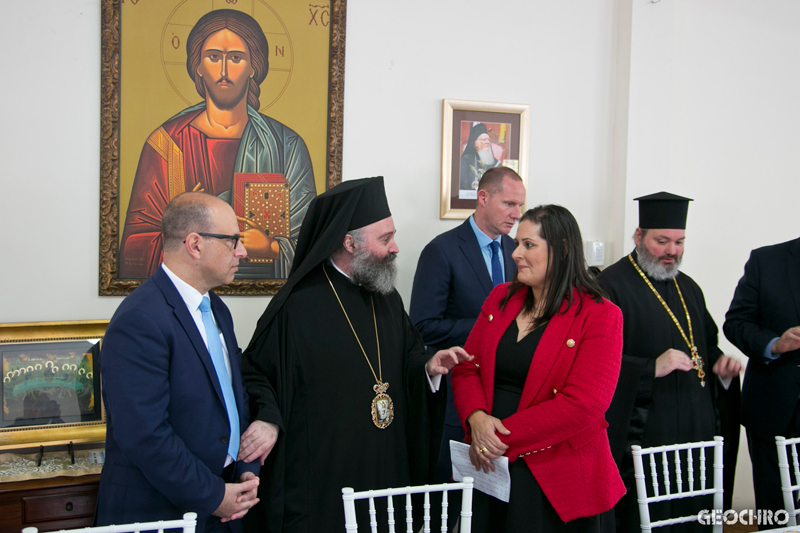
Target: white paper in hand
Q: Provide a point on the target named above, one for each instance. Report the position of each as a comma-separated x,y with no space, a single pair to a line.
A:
497,483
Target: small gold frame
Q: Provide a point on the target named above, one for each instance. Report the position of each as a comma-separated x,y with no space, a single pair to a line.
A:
454,112
41,333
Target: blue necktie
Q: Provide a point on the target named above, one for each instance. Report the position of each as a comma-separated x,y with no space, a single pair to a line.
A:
217,357
497,270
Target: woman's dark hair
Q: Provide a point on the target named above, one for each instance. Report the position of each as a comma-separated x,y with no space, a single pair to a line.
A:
566,270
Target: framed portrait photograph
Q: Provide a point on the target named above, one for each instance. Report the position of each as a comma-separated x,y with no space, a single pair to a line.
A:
241,99
477,136
51,383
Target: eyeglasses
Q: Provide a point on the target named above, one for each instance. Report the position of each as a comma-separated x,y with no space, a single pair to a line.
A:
233,238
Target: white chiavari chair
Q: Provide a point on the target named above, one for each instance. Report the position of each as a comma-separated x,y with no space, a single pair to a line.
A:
349,498
790,478
670,482
188,524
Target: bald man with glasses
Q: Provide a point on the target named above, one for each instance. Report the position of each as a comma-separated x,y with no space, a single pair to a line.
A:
172,385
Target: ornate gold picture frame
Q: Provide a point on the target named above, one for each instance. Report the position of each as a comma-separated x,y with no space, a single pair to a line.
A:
145,82
51,383
477,136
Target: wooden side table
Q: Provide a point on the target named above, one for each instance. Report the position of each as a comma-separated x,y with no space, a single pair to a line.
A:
49,504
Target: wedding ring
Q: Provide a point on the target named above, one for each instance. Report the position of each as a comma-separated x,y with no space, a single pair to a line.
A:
484,449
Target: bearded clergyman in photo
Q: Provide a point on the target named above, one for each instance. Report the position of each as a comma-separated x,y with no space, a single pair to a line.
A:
477,158
675,385
341,389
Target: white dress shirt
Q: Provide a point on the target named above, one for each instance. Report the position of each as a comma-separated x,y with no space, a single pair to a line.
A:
192,298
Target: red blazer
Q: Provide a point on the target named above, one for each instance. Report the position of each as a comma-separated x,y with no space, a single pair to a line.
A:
561,430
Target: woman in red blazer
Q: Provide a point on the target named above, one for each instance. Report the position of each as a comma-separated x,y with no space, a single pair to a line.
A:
547,351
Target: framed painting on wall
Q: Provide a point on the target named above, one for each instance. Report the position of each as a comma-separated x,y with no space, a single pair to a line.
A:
241,99
477,136
51,383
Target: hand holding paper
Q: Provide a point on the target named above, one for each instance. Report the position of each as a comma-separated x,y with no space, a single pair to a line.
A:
495,483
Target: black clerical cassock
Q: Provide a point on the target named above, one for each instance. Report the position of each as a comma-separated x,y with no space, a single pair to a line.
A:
306,373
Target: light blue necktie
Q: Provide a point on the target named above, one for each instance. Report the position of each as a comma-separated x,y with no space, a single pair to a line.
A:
217,357
497,270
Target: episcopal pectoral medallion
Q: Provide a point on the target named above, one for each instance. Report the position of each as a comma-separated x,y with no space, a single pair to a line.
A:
382,406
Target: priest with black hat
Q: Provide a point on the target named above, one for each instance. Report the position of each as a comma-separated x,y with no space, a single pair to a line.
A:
675,383
338,378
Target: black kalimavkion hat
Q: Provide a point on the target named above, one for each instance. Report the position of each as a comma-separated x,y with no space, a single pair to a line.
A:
663,210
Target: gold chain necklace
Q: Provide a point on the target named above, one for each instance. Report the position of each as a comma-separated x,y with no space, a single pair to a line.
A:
697,360
382,406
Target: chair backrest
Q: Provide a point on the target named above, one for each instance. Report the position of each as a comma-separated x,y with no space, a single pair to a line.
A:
349,497
188,524
689,484
790,488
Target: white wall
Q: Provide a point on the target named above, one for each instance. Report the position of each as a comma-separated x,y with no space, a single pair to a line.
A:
713,116
628,97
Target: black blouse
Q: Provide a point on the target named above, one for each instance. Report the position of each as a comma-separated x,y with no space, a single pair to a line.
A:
513,359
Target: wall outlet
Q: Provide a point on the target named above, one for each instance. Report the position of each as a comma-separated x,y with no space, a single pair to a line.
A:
595,253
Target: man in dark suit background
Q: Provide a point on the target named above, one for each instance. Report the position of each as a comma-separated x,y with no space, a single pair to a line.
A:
764,323
172,385
456,272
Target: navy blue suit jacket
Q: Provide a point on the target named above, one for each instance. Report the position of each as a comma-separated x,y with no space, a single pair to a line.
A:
767,303
450,286
167,427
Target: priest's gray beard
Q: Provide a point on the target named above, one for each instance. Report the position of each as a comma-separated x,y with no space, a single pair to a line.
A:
652,265
487,157
374,273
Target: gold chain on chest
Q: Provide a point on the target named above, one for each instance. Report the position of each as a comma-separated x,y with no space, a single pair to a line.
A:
382,405
697,360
